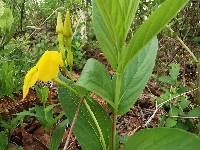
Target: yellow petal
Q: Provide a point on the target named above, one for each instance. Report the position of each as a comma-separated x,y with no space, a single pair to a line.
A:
30,79
48,65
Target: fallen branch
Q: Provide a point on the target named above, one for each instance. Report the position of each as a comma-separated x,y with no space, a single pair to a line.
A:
161,104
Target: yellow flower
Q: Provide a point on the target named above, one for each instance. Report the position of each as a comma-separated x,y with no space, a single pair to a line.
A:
45,70
48,65
30,79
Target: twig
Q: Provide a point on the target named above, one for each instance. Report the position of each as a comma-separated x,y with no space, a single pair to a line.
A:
161,104
184,45
45,20
73,124
149,120
185,117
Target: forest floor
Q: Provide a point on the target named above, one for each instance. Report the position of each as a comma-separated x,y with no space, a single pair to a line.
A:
32,136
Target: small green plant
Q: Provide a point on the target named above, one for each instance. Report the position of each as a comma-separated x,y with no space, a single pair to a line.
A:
6,129
175,107
14,61
79,54
43,113
6,21
180,110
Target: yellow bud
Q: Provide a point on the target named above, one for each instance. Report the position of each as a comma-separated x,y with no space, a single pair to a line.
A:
67,31
59,26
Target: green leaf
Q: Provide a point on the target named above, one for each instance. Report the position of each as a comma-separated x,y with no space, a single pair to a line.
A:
6,20
112,19
57,135
174,71
170,122
136,75
195,112
151,27
174,111
43,93
85,129
129,9
184,102
166,79
4,140
95,77
2,8
163,139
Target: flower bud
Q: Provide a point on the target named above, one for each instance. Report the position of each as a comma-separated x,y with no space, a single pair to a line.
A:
59,26
67,31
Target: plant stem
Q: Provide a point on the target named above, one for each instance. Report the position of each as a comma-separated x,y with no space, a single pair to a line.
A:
67,86
97,125
116,101
184,45
187,48
114,129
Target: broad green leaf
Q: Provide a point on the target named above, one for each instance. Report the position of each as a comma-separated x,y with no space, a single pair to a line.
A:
85,130
151,27
136,75
112,19
163,139
57,135
95,77
6,20
129,9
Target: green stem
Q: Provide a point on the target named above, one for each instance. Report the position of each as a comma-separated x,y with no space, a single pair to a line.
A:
116,101
184,46
114,129
67,86
70,72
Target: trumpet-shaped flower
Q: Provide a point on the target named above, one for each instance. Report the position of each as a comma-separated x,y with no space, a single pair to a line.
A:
45,70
